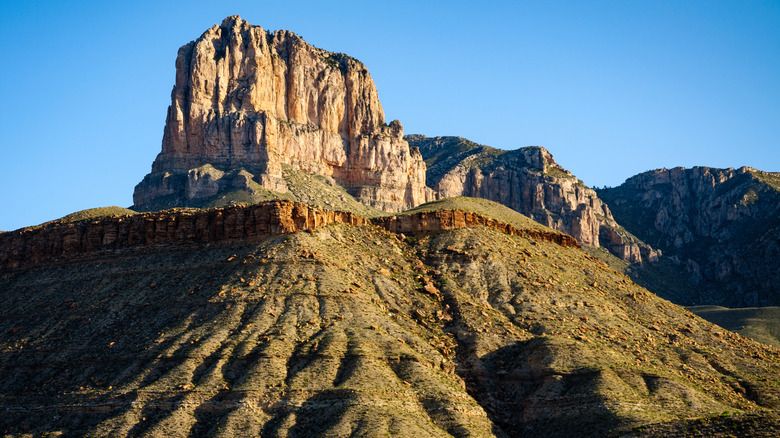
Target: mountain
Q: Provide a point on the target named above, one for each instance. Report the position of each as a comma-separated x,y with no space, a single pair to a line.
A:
721,228
253,113
302,286
529,181
282,319
248,104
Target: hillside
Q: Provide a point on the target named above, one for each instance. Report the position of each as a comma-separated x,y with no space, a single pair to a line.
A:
347,329
98,212
759,323
317,190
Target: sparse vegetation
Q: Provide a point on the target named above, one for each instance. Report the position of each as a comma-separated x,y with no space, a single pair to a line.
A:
484,207
770,178
759,323
357,330
324,192
556,172
93,213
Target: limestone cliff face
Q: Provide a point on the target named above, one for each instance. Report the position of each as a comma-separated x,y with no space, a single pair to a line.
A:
59,241
529,181
722,226
248,99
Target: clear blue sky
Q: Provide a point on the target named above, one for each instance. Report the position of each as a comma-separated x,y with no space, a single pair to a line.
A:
611,88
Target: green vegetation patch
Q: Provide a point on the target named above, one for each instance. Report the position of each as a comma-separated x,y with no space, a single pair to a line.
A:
241,196
323,192
556,172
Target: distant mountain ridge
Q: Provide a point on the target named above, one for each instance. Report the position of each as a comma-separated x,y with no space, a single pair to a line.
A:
722,226
529,181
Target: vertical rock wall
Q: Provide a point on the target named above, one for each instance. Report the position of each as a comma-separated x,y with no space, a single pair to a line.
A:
247,98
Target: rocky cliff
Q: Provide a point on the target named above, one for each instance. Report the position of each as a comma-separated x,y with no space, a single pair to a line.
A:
721,227
248,99
529,181
62,240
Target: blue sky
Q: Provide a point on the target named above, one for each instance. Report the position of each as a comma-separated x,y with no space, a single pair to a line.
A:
611,88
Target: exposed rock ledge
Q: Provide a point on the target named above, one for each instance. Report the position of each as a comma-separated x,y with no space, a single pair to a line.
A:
63,240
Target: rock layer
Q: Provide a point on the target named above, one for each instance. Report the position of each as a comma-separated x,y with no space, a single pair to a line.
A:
61,241
721,226
249,99
529,181
57,241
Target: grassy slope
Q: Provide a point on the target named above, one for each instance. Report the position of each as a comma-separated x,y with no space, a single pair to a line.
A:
484,207
93,213
759,323
661,277
770,178
324,192
90,213
351,330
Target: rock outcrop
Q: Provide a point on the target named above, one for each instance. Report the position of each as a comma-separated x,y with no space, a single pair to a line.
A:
248,99
64,240
721,226
529,181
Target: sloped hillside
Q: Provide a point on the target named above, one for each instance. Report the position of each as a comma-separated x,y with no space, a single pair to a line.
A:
317,190
353,330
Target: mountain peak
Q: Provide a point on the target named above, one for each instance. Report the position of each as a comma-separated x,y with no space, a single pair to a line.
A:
247,99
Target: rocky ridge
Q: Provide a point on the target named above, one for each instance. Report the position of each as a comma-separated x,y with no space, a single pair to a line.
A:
529,181
246,99
62,240
720,226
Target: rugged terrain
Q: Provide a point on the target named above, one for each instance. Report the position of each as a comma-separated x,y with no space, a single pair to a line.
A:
720,227
529,181
248,103
253,113
350,329
263,311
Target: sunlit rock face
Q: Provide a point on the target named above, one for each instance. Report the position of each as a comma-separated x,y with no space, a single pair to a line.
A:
249,99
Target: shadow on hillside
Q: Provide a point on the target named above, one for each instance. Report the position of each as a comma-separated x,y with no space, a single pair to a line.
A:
521,382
